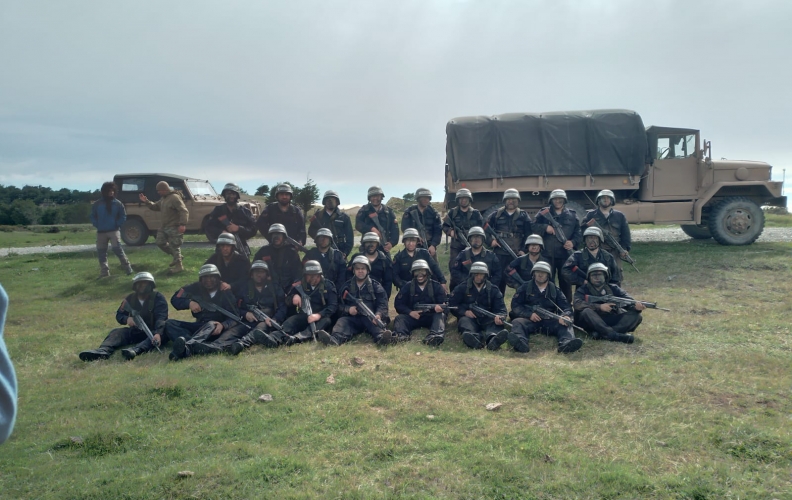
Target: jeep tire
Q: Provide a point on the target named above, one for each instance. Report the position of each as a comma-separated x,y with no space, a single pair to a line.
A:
134,232
736,221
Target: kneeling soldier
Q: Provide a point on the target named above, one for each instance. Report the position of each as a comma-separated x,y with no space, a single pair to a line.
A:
233,266
543,293
606,321
519,271
151,307
259,292
331,259
359,292
477,329
421,291
403,261
314,302
380,264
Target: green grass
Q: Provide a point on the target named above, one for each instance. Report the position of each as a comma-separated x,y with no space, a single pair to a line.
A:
699,407
68,234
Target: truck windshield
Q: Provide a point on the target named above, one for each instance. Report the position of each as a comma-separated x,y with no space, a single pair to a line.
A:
676,146
201,188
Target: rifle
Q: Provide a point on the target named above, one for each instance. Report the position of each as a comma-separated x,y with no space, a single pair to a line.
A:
307,308
516,277
262,316
621,302
243,248
611,240
545,314
296,244
211,306
362,307
500,241
480,310
457,233
374,216
421,229
559,231
430,307
138,319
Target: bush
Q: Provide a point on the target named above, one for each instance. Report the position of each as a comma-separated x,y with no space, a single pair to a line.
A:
50,216
24,212
76,213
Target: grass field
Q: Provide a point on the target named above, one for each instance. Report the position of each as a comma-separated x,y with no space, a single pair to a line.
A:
68,234
699,407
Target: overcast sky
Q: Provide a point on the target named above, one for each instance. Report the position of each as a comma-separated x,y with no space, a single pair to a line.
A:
358,93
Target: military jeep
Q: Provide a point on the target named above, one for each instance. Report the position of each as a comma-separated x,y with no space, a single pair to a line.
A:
199,196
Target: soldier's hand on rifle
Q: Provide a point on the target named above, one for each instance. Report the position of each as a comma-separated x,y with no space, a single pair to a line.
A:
639,306
438,308
451,233
353,311
432,250
143,198
564,320
195,307
387,247
498,321
445,289
224,286
550,230
623,255
232,228
157,340
520,253
494,243
376,317
607,308
470,314
250,316
297,300
131,321
415,314
313,318
535,318
375,230
568,245
218,328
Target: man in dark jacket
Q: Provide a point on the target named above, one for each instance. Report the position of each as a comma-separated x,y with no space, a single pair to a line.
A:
381,267
232,218
479,330
333,263
313,294
233,266
519,270
460,268
576,267
462,217
337,221
282,259
153,309
404,259
424,219
283,212
606,321
107,216
374,217
512,225
609,219
557,253
420,290
260,292
541,292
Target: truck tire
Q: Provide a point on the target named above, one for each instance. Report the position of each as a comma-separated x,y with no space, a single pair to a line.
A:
696,232
736,221
134,232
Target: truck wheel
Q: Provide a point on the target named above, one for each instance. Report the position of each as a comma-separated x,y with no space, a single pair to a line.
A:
697,232
736,221
134,232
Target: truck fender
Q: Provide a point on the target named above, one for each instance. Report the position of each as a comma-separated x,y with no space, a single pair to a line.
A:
713,190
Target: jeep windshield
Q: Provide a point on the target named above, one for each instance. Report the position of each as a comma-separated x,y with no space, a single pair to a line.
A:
201,189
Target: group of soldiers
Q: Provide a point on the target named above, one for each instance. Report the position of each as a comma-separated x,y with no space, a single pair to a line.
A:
331,294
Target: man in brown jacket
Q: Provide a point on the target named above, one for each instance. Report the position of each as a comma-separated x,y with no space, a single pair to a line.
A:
174,222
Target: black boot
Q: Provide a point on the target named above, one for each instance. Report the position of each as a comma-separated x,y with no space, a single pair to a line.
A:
265,339
518,343
472,340
95,354
325,338
570,345
497,340
626,338
434,339
131,353
180,349
236,348
386,338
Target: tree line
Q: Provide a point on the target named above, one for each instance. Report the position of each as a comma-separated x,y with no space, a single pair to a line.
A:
43,205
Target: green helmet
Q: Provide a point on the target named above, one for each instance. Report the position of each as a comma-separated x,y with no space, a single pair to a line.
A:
231,187
598,266
410,233
558,193
476,231
259,264
419,264
226,239
511,193
463,193
541,266
277,228
330,194
375,190
312,267
324,232
423,192
361,259
605,192
371,236
593,231
534,239
479,268
283,188
208,270
143,276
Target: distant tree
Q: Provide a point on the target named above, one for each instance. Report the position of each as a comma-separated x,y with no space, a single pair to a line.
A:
24,212
307,195
5,215
76,213
408,197
242,190
50,215
263,190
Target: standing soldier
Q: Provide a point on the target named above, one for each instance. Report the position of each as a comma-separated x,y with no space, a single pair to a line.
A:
152,308
479,330
403,261
541,292
460,268
606,321
612,220
423,218
420,290
259,291
282,259
283,212
334,219
522,265
333,263
232,218
558,253
460,218
174,222
380,265
107,216
233,266
378,218
512,225
577,265
323,298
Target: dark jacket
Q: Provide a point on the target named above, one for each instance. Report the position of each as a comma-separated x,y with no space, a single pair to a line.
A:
222,216
513,229
461,267
338,223
411,294
104,220
386,218
292,219
402,262
324,298
576,267
522,267
581,296
489,298
381,270
223,298
284,264
154,311
463,221
615,222
429,221
528,296
371,293
270,299
236,270
333,265
568,221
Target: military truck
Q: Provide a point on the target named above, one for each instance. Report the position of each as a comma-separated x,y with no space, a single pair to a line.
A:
660,175
198,194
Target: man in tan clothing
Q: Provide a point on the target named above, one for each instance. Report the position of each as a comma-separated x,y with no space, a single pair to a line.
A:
174,223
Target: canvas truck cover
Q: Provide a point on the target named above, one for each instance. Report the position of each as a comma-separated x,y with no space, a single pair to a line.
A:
599,142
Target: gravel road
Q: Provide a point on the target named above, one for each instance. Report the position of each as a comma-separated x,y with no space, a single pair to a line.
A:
663,234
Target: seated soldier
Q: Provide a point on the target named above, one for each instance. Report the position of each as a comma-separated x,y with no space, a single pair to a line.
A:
353,320
231,218
607,321
282,259
334,266
233,266
477,329
476,252
420,290
577,265
519,271
403,261
541,292
153,309
205,300
381,267
313,303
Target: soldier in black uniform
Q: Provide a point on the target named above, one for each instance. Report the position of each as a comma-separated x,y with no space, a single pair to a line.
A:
420,290
352,321
463,217
541,292
557,253
513,226
479,330
282,259
520,268
233,266
606,321
285,213
151,306
610,219
381,267
374,217
334,219
333,263
403,261
460,268
323,298
232,218
209,326
577,265
423,218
